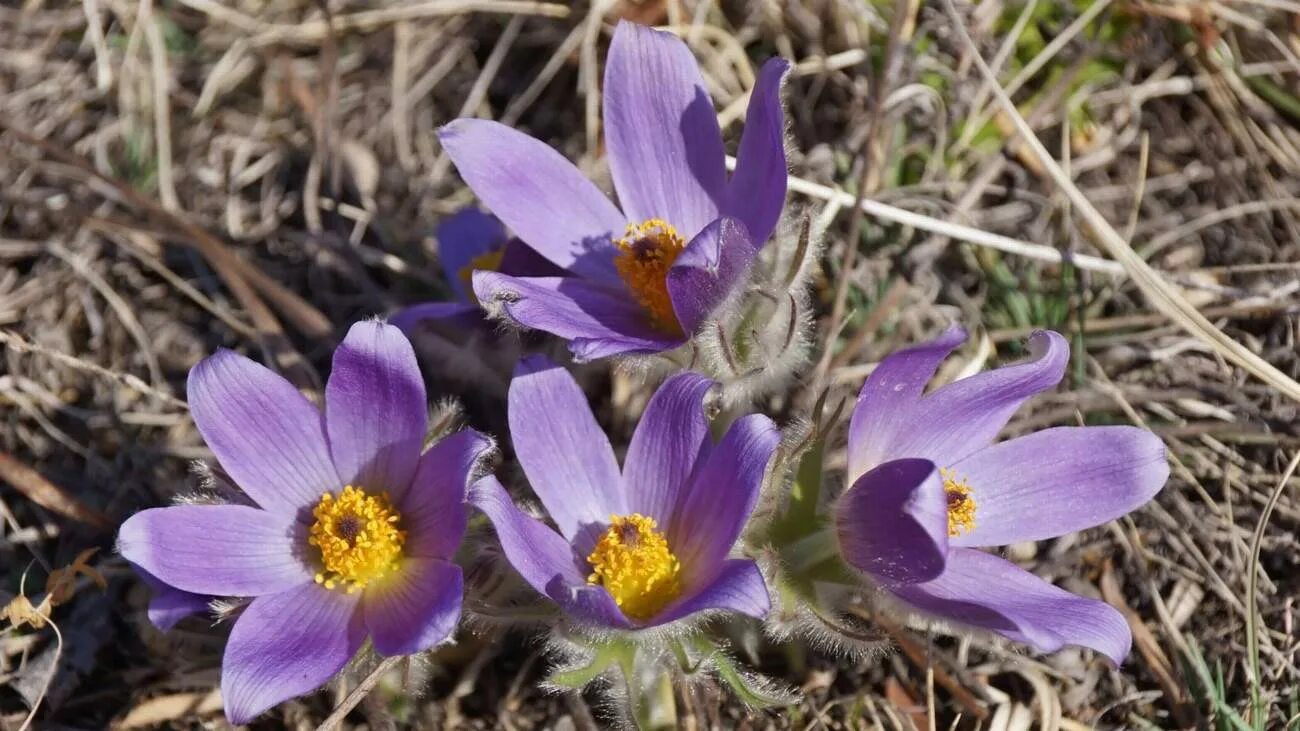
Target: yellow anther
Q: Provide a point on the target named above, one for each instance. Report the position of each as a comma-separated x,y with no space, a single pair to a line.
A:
646,253
358,538
633,561
489,261
961,506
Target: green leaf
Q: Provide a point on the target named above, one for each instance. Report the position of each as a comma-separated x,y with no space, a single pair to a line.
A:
606,654
755,690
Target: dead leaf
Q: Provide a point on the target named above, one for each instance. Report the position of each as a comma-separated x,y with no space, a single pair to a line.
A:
60,586
162,709
46,494
62,582
20,611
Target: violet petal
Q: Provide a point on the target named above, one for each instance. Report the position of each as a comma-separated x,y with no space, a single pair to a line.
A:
984,591
722,493
965,416
756,193
287,644
416,609
522,260
661,130
375,409
462,237
669,441
889,395
169,605
713,265
268,437
544,558
893,522
599,321
541,196
565,454
737,587
1058,481
220,550
433,513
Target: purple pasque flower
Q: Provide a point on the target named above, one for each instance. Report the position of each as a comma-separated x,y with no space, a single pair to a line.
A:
641,279
167,604
930,487
353,530
638,547
470,240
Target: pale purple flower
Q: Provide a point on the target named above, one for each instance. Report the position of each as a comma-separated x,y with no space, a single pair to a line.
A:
931,487
644,278
645,545
169,605
353,530
471,240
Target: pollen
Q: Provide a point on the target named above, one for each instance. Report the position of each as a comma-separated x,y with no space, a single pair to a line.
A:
358,538
487,261
961,506
645,254
633,561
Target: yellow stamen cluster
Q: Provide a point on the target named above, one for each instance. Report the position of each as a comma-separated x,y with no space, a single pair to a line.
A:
358,538
961,506
632,560
646,253
489,261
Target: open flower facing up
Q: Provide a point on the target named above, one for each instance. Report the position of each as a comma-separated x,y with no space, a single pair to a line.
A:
640,547
468,241
353,528
930,487
643,279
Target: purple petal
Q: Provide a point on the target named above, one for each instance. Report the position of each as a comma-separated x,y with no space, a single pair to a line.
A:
433,513
711,513
1060,480
268,437
544,558
711,268
889,395
538,553
593,605
564,453
288,644
375,409
756,193
984,591
671,438
220,550
459,315
418,609
966,416
463,236
167,604
893,522
738,587
522,260
599,321
541,196
665,148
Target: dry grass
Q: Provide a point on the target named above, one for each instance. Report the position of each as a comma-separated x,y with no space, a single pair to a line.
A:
179,176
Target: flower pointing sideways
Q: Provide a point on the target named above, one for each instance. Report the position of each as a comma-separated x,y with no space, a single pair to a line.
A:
352,529
643,546
645,278
169,605
931,488
468,241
